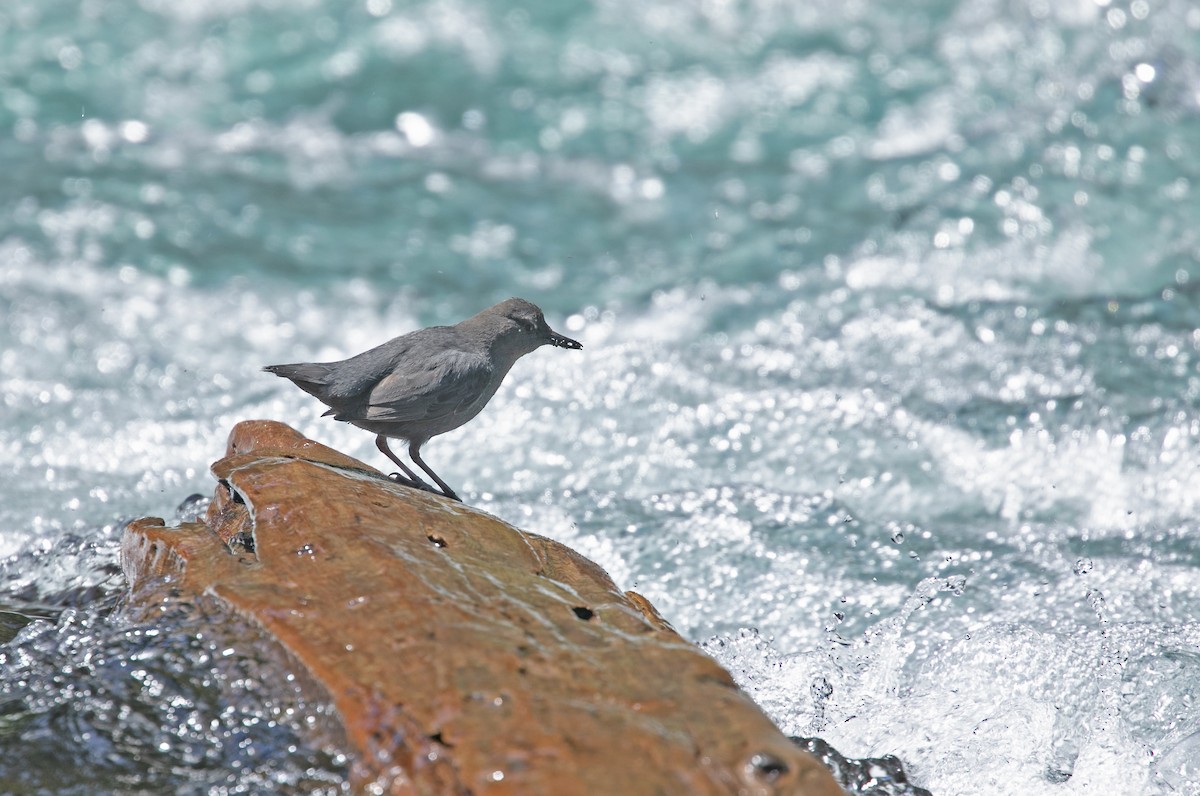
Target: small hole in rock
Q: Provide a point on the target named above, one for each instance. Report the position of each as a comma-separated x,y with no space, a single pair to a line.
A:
437,540
583,613
768,767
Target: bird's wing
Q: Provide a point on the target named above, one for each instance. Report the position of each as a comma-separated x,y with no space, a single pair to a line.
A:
445,382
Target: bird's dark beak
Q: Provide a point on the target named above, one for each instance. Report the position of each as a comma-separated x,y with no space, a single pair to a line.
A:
557,339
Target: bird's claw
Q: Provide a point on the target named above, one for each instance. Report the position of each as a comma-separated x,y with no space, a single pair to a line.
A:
404,480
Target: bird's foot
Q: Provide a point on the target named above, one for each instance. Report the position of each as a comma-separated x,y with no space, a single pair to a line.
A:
417,484
406,481
424,487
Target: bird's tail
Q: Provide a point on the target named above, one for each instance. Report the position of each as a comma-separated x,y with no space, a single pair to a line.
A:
312,377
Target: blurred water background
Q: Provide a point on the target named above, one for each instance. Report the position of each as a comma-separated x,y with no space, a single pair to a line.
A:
889,394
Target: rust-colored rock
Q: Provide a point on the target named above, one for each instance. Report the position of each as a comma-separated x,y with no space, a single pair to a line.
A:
463,655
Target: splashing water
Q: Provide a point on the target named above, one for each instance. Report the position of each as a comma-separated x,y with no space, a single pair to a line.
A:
889,383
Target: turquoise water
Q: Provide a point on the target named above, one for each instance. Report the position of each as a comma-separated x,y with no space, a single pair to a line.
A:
889,392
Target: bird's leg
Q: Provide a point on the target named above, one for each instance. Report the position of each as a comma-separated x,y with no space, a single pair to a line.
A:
414,451
409,478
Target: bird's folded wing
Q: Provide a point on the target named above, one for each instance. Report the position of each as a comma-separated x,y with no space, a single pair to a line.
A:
445,383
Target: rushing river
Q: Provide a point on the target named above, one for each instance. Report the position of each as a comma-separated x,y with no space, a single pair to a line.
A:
889,394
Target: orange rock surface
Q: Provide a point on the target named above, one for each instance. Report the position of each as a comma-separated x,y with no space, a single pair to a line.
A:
463,655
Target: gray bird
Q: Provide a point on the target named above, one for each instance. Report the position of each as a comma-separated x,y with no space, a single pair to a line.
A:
426,382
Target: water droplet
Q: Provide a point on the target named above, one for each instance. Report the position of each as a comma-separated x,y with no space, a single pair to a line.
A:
1096,600
1083,566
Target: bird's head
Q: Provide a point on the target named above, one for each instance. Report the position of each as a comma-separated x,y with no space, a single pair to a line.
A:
522,327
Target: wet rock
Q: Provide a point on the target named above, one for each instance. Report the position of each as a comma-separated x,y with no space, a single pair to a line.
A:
869,776
463,655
